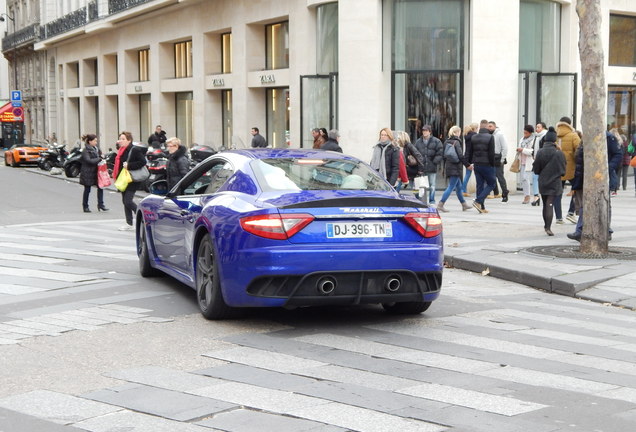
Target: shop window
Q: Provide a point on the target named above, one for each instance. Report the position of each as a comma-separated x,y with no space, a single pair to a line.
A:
226,102
278,117
143,57
539,36
184,117
327,38
183,59
277,46
226,53
622,43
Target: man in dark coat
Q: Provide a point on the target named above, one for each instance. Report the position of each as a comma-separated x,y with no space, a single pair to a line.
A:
482,155
332,141
158,138
432,151
258,140
549,165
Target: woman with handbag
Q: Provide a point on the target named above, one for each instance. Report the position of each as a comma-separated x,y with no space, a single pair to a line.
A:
132,157
91,157
525,155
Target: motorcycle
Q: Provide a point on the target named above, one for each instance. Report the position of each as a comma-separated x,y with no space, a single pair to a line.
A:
157,169
199,153
73,162
53,157
110,160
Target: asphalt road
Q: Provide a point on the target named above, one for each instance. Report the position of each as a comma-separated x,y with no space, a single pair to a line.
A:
87,344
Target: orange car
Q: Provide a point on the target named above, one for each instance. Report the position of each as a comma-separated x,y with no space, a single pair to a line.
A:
22,154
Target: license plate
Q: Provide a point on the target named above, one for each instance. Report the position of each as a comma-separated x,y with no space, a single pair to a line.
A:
359,229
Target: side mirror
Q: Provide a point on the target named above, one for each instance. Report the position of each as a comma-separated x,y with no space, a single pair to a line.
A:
160,187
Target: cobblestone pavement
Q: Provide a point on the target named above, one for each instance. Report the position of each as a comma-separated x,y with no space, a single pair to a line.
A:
81,352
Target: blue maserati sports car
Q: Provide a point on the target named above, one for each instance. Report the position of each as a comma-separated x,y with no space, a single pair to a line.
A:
291,228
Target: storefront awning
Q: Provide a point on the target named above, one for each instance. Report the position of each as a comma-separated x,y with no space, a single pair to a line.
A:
9,113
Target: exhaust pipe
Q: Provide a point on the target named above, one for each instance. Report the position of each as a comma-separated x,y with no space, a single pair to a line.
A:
392,283
326,285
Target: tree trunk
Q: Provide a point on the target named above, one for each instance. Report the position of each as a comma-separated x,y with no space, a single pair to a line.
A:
593,117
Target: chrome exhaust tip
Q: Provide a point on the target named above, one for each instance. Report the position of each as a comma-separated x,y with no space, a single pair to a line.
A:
326,285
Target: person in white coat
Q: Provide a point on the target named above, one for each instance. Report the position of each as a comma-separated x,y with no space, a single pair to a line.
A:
525,153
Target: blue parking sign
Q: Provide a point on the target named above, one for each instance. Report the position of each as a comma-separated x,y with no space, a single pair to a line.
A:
16,95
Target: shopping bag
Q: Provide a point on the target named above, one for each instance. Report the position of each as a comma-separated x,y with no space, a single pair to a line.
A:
516,165
632,163
122,180
103,178
420,182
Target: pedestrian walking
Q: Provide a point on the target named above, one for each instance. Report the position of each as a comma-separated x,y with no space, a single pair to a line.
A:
469,131
525,153
431,149
178,163
258,140
549,164
132,157
91,157
501,151
453,160
386,157
411,160
482,155
319,138
332,143
568,141
539,132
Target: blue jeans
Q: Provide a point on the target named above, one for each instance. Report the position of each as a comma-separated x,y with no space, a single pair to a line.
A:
486,181
466,179
579,224
535,184
432,184
454,183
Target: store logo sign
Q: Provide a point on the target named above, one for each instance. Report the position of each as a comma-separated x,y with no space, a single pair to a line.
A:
218,82
268,79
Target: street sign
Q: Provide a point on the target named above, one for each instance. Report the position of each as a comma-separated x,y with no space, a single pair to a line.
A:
16,96
17,112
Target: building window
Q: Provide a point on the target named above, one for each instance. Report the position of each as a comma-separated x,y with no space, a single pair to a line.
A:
539,36
428,34
145,121
622,43
143,57
183,103
226,103
278,117
183,59
277,43
327,39
226,53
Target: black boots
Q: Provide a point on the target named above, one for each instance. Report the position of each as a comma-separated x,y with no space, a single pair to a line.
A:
102,207
86,209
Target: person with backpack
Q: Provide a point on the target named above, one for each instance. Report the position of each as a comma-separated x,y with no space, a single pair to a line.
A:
453,160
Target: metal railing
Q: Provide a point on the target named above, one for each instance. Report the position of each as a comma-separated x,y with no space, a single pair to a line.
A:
115,6
24,36
66,23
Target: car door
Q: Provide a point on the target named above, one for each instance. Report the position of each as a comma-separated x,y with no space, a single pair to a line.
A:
176,219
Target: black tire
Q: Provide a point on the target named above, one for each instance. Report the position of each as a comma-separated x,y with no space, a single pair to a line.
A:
72,170
145,269
6,162
406,308
208,286
14,164
46,166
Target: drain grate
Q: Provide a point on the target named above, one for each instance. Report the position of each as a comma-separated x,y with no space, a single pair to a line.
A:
619,253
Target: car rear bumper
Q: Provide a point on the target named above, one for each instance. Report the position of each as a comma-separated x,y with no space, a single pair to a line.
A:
296,276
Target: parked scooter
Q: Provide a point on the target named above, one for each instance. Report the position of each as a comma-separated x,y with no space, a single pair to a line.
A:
73,162
199,153
110,160
53,157
157,169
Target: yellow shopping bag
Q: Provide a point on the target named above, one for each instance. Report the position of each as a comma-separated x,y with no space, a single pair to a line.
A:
122,180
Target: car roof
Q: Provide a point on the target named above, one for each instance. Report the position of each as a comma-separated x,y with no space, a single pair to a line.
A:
269,153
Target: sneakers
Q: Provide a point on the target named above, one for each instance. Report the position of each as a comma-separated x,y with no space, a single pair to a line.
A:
614,193
560,221
572,218
574,236
479,207
466,194
125,228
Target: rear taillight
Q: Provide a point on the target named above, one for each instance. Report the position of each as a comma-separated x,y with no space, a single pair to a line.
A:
276,226
427,224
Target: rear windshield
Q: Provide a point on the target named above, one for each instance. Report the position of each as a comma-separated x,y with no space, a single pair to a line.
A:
316,174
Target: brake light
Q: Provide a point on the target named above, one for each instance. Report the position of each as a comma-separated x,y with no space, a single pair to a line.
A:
427,224
276,226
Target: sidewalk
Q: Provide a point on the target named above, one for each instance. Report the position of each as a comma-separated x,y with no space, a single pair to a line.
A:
509,243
